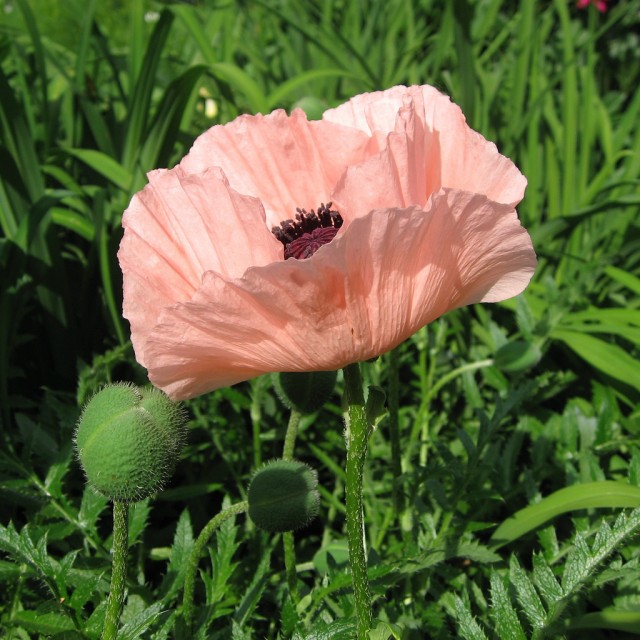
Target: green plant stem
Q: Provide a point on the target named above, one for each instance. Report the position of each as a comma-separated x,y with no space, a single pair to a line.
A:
357,436
290,437
118,570
393,394
198,549
288,541
257,392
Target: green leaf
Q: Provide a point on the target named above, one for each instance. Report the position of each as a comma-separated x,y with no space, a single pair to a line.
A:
468,628
517,356
105,165
73,221
506,621
140,98
241,81
134,629
48,623
590,495
385,631
624,621
276,98
338,630
583,562
608,358
624,277
527,595
180,554
545,581
252,595
138,516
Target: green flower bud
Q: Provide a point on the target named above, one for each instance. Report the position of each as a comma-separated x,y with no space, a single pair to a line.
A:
283,496
517,356
375,407
128,441
305,392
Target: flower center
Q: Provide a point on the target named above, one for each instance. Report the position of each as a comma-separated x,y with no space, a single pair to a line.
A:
303,236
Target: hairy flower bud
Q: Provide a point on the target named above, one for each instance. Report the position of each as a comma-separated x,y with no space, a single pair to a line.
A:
283,496
305,392
128,441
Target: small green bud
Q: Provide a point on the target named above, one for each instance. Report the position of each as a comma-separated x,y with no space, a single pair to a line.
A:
375,406
313,107
305,392
283,496
517,356
128,441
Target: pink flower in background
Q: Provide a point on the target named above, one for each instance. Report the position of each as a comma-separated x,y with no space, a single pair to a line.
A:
404,213
601,5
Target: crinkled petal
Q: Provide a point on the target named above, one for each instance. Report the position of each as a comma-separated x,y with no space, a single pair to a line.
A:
179,227
430,146
284,160
387,275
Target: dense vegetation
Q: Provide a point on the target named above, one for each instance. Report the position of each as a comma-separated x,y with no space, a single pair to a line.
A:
534,402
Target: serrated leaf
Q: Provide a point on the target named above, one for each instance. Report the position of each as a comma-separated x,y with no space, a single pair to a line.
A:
582,562
576,568
133,629
251,597
92,505
48,623
544,580
506,621
138,516
337,630
84,589
222,557
385,631
527,595
180,554
21,545
475,552
468,627
288,617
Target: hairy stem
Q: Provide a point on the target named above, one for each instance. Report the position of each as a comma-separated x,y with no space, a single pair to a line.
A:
357,435
198,549
118,570
288,540
393,395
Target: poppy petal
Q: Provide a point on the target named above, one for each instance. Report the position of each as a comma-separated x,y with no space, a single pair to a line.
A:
171,239
428,146
387,275
286,161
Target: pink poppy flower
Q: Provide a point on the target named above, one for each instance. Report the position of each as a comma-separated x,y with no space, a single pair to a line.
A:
408,213
600,5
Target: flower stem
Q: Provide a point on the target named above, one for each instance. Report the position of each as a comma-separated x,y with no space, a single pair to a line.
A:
118,570
288,540
290,437
393,395
198,548
357,436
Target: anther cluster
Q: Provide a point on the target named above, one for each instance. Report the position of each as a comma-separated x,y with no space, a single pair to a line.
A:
303,236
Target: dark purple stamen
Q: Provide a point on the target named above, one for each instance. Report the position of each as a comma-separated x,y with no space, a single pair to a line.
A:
303,236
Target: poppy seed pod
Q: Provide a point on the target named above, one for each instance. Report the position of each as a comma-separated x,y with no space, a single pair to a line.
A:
283,496
128,441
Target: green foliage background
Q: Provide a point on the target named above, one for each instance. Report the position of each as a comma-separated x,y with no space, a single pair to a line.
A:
500,407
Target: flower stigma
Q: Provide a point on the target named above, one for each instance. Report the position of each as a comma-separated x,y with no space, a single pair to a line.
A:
303,236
